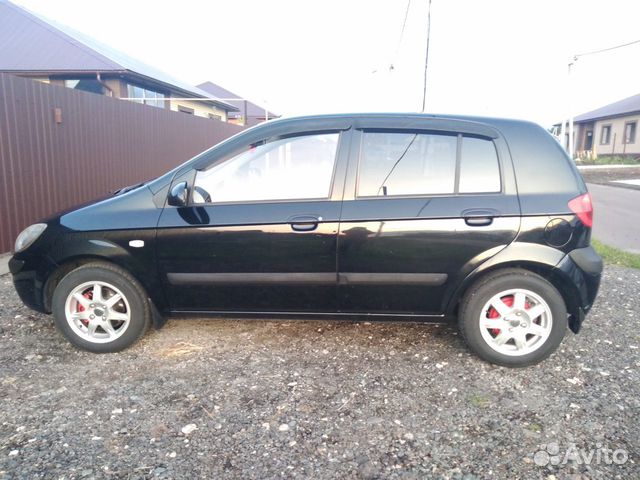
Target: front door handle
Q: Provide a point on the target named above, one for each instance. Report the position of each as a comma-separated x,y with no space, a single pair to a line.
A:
304,223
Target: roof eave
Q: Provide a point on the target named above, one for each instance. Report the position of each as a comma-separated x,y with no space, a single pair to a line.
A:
37,73
224,105
124,73
606,117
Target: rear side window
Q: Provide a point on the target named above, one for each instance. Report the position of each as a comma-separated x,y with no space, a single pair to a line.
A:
404,163
479,171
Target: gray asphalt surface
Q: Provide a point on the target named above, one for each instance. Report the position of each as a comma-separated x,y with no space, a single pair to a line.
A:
616,216
319,399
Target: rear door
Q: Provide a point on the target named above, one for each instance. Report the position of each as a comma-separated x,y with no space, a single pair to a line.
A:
426,201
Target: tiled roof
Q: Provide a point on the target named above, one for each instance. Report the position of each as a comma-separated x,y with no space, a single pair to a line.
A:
622,107
32,44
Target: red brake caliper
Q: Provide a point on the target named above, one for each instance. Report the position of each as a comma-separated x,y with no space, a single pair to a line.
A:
493,313
88,295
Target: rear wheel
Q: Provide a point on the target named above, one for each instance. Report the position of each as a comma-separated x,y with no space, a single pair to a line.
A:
513,318
101,308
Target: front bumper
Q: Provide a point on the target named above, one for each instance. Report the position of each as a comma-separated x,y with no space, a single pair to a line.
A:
29,279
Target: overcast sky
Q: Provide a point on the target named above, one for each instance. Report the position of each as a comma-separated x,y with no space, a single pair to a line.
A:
491,57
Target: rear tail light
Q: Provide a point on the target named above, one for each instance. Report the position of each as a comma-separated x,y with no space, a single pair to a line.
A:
583,208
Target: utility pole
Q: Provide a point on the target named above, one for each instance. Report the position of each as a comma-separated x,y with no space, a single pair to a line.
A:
570,98
245,113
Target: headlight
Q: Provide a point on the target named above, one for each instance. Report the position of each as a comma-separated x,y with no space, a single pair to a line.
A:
28,236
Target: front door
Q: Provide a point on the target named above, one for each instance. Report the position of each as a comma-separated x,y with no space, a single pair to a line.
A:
423,207
588,140
259,234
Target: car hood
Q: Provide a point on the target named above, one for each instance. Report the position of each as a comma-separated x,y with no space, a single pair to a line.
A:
127,209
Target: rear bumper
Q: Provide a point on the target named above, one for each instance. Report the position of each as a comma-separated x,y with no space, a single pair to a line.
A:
587,260
583,269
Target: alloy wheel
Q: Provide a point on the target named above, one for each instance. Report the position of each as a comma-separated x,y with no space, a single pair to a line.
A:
97,312
515,322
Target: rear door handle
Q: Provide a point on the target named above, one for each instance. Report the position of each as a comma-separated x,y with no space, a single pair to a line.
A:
304,223
479,217
478,221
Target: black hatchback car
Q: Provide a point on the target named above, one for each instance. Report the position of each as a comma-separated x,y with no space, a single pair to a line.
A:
346,216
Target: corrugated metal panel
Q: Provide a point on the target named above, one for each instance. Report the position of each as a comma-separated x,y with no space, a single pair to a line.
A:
102,144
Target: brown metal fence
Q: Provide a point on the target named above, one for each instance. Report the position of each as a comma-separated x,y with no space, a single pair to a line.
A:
61,147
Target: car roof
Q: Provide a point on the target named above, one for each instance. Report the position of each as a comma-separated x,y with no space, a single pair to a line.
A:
494,121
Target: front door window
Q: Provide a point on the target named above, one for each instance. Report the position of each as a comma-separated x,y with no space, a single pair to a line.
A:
294,168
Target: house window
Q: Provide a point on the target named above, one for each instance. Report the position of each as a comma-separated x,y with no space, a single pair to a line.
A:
91,85
605,135
215,117
187,110
630,132
146,96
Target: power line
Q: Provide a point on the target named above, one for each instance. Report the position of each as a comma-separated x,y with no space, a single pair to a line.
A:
382,185
426,60
606,49
404,24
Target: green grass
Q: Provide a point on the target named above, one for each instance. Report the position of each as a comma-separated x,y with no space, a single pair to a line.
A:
479,400
534,427
611,160
616,256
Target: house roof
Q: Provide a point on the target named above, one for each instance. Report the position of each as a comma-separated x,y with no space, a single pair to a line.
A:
621,107
31,44
253,110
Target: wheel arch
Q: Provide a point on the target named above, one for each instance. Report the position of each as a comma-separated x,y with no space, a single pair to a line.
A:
534,258
71,263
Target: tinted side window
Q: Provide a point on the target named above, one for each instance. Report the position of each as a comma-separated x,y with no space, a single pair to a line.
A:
479,171
293,168
394,164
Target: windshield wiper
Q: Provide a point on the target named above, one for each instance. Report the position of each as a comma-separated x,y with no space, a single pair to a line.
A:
122,190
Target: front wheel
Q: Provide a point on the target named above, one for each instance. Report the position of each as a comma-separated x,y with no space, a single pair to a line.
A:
513,318
100,308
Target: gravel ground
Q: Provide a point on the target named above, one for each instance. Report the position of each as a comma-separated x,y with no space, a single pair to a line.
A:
318,399
606,176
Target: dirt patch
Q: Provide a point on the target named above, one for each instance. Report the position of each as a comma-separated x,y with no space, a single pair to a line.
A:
316,399
606,176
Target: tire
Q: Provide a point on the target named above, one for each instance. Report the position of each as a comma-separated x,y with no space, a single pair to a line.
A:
512,336
110,324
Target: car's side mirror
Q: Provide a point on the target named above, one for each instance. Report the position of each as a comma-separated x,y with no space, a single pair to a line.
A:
178,195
